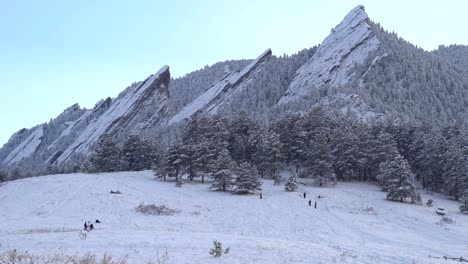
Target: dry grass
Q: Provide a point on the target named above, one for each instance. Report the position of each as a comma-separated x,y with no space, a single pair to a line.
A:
50,230
151,209
19,257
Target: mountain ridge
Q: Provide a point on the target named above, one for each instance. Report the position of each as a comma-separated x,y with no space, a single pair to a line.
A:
359,70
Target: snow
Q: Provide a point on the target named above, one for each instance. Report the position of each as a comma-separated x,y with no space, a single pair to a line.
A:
228,81
350,43
119,108
351,105
26,148
374,61
352,224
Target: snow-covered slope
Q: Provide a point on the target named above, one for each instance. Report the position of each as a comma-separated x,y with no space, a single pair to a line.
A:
213,96
123,110
349,44
352,224
26,148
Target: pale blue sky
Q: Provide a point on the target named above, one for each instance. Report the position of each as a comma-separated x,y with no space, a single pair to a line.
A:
56,53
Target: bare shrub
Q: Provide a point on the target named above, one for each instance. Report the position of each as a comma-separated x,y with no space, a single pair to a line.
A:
15,256
51,230
446,221
152,209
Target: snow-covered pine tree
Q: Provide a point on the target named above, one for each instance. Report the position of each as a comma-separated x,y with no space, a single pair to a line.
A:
455,169
384,149
106,156
291,183
345,151
247,180
136,154
174,161
320,161
223,174
241,127
3,175
397,179
268,155
286,128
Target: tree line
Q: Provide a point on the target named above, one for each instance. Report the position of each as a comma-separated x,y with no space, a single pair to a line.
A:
315,145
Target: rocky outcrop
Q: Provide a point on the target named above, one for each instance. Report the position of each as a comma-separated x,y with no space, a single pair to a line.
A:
213,97
127,113
26,148
349,44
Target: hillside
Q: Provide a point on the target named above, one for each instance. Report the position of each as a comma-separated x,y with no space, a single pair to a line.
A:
352,224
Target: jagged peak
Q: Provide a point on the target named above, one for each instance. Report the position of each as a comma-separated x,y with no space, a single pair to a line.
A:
349,44
73,107
227,82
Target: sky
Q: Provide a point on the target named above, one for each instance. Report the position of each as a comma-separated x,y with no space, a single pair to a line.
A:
55,53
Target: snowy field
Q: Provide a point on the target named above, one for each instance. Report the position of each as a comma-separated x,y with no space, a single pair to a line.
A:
352,224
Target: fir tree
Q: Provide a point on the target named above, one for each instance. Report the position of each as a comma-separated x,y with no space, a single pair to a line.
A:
247,179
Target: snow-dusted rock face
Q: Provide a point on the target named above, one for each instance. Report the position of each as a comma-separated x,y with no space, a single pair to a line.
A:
350,43
125,114
350,105
35,142
211,99
26,148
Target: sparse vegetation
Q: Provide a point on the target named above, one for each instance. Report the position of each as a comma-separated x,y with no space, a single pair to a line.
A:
446,221
16,256
152,209
217,250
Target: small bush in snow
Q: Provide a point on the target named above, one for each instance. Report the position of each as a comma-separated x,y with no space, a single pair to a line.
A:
151,209
82,235
446,220
217,250
291,184
162,258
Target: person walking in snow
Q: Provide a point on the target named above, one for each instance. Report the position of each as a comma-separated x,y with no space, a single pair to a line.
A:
261,196
85,226
304,195
315,205
91,227
310,202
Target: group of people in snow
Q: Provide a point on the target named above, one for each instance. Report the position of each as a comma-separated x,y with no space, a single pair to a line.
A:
304,195
88,226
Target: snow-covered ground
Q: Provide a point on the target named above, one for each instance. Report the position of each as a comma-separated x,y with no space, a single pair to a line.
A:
352,224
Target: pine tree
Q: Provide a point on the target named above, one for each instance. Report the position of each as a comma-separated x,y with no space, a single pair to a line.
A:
106,156
397,179
3,175
241,127
291,183
174,161
320,161
455,169
136,154
345,151
268,155
222,167
247,179
385,149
